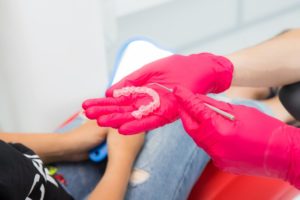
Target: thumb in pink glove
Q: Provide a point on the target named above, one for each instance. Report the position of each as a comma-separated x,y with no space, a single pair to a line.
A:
200,73
252,143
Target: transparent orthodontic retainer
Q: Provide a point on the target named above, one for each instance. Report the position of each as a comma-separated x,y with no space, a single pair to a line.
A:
143,110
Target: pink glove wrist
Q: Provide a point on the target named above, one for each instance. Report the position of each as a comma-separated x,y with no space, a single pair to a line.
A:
294,170
282,157
224,73
278,151
220,74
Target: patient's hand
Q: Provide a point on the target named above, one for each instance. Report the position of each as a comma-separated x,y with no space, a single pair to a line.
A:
84,138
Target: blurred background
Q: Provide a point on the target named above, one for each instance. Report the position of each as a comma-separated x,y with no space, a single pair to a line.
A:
54,54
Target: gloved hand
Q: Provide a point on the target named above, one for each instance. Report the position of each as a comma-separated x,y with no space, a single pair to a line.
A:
201,73
253,143
117,112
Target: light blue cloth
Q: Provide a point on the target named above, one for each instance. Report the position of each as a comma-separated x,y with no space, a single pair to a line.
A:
169,156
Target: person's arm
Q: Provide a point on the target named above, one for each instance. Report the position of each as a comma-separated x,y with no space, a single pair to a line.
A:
122,151
275,62
53,147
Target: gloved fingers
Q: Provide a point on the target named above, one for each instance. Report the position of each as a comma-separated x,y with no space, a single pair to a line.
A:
194,105
215,103
196,130
145,124
115,120
96,111
105,101
189,124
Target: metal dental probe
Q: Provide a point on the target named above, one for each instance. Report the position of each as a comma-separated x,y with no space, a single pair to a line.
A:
217,110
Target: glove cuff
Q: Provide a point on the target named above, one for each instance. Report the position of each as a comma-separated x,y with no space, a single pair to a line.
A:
293,175
276,156
224,74
282,157
219,72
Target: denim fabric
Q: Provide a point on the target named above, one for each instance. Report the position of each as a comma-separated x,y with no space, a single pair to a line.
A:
173,163
169,156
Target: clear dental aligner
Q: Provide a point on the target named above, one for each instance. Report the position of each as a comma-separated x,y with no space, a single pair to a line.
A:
144,109
147,109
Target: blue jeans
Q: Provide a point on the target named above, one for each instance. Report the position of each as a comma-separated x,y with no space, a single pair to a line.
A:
169,160
169,164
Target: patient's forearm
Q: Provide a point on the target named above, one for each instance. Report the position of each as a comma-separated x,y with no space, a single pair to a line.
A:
114,183
50,147
273,63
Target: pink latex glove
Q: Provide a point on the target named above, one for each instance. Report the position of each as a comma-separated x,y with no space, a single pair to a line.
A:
253,143
201,73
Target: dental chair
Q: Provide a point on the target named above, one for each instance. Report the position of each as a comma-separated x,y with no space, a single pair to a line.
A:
218,185
213,183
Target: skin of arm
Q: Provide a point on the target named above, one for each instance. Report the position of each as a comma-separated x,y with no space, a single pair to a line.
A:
53,147
275,62
122,151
